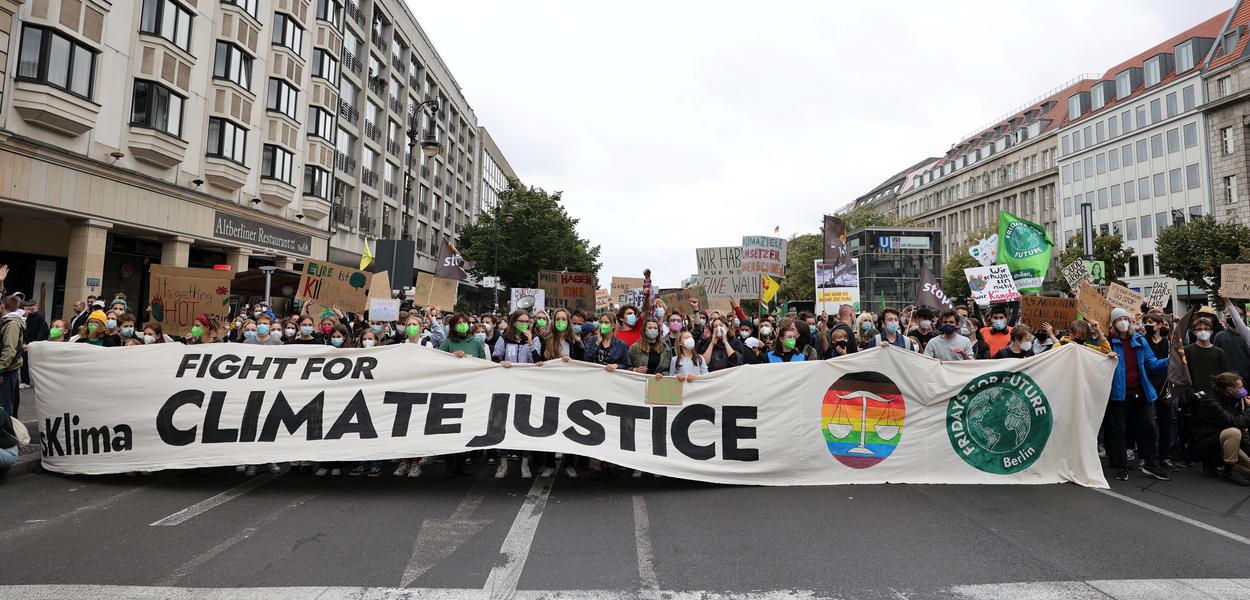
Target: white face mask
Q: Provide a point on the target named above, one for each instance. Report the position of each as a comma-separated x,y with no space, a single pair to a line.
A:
720,332
149,339
1202,335
744,334
1122,325
926,324
367,343
766,331
1026,346
688,343
489,327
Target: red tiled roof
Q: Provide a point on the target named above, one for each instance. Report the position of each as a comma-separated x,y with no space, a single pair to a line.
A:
1209,28
1240,17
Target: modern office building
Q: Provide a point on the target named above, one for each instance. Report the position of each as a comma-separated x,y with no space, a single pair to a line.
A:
1133,146
496,172
1226,77
891,261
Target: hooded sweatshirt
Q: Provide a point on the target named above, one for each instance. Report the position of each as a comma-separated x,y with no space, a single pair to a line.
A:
12,332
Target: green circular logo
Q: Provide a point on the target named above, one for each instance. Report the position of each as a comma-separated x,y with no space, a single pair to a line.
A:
1023,241
357,280
1000,422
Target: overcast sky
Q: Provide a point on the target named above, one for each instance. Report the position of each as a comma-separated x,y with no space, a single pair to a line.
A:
676,125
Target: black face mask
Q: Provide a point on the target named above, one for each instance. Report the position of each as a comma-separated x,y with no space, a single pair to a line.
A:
1150,330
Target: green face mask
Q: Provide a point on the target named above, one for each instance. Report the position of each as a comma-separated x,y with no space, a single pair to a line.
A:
197,331
562,325
414,331
522,326
790,343
54,333
92,327
462,328
542,323
605,328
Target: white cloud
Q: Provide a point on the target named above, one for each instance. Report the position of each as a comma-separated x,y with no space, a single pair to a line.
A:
671,126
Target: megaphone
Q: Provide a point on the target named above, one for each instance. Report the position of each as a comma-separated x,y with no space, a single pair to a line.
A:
525,302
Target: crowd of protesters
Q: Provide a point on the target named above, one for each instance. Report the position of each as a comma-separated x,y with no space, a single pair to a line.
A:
1162,422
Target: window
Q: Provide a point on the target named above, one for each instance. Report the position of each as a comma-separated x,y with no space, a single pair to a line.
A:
324,65
1175,184
1076,140
1089,136
1190,133
1100,132
1156,110
157,107
1132,263
1148,262
1226,140
1077,170
1142,154
247,5
283,98
1160,184
332,11
1067,145
1066,174
1100,163
347,92
227,140
1126,152
320,123
1113,159
1115,195
1129,192
275,163
1174,140
287,33
167,19
1156,145
1185,57
1140,115
1102,198
1161,221
1089,198
1143,188
48,57
232,64
1146,227
1123,85
1229,42
1089,167
1195,212
1171,104
1074,106
1230,189
1130,229
1067,207
1224,85
316,182
1154,70
1187,98
1113,128
1126,120
1192,178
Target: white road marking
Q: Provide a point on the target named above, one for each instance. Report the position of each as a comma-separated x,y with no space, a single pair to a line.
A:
501,584
439,538
1179,517
37,524
200,559
200,508
642,540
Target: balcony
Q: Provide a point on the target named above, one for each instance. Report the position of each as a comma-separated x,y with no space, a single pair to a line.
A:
341,214
351,62
54,109
394,147
414,82
377,38
344,163
390,189
376,84
387,231
348,112
354,13
314,208
224,173
156,148
397,63
393,102
367,223
372,131
276,193
368,177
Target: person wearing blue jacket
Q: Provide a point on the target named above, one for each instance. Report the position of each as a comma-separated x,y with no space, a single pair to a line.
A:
1132,400
608,351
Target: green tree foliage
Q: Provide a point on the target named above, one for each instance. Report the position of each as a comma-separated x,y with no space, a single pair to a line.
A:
954,282
541,236
801,252
1108,248
1193,252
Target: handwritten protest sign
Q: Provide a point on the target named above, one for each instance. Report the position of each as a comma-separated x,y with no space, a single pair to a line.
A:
1235,279
531,299
720,273
626,290
991,285
1093,305
603,300
334,285
1059,312
568,290
1160,294
383,309
435,291
764,255
1075,272
666,391
680,300
1122,297
179,294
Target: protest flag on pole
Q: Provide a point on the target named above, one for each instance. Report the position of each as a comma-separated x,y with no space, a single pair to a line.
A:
366,257
768,288
1025,247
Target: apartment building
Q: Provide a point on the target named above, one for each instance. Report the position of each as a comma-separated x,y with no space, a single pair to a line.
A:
496,172
1008,165
1133,147
1226,78
883,199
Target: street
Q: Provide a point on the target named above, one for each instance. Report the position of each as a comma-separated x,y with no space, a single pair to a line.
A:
195,535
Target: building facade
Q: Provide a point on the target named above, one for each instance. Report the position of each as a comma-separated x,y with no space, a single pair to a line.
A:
1226,77
883,199
496,172
1133,147
891,262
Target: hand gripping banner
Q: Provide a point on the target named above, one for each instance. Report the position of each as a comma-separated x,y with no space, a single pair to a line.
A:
883,415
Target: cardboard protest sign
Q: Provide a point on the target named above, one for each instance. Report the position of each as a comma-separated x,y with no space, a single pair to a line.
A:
435,291
1236,280
178,294
1160,294
1059,312
1093,305
383,309
334,285
568,290
991,285
530,299
1074,273
603,300
626,290
720,273
666,391
1122,297
829,294
380,286
679,301
763,255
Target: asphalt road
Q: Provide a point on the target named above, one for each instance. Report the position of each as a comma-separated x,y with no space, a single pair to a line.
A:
191,535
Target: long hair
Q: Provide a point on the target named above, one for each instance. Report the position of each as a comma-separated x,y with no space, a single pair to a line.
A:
645,345
512,335
779,344
551,344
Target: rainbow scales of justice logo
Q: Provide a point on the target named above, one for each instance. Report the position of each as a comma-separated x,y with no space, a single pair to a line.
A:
862,419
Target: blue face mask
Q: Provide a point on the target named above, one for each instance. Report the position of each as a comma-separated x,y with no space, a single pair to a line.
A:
336,342
631,320
128,331
376,328
481,336
110,324
891,327
262,329
250,335
867,326
659,313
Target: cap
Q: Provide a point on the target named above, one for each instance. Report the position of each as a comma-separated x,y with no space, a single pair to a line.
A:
1117,313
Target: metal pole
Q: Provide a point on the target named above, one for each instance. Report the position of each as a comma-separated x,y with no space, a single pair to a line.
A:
1087,231
496,269
268,281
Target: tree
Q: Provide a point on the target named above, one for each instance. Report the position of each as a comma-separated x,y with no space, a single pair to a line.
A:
802,251
1108,248
541,235
865,216
1193,252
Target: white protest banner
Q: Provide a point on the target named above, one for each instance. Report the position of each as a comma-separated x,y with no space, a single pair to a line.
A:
878,415
985,251
830,291
531,299
763,255
1076,272
383,309
720,273
991,285
1160,294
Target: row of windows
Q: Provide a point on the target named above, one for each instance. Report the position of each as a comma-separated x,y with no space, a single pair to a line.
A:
1143,227
1174,182
157,107
167,19
276,163
288,33
47,56
1096,133
1153,147
233,64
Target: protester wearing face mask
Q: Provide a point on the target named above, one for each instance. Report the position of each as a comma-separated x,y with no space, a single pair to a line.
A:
1022,343
675,325
923,329
998,334
412,331
460,341
1132,400
1235,339
95,332
519,344
649,353
719,348
687,364
865,329
807,342
1157,338
368,338
1202,358
950,345
306,334
1221,420
785,348
340,337
564,341
541,323
608,350
12,328
892,332
490,326
628,328
56,333
264,333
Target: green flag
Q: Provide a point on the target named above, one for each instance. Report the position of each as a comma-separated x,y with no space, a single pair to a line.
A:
882,299
1025,248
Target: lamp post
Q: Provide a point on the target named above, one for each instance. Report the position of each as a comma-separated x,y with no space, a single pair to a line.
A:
507,220
430,145
1087,231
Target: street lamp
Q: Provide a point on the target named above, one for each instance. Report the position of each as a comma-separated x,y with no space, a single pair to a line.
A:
430,146
507,220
